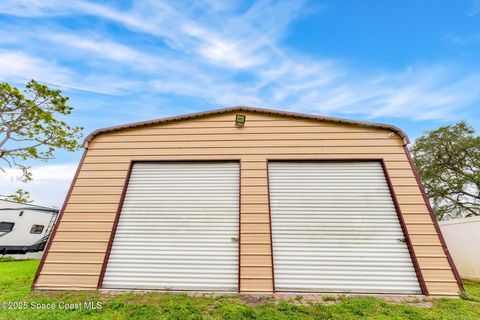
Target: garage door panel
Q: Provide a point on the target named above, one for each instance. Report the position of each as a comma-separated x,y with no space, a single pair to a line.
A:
178,228
335,229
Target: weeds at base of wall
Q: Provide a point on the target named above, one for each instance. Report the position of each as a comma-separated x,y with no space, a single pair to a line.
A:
16,277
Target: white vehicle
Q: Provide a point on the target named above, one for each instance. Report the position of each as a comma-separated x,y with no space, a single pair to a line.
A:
24,227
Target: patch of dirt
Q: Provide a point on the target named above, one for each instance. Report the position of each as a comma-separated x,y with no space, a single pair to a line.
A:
423,304
255,300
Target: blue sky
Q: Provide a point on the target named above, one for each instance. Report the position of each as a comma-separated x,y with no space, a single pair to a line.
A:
414,64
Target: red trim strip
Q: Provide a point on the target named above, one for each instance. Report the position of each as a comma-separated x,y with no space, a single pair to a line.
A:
114,227
321,159
434,220
55,228
270,222
239,225
189,160
413,256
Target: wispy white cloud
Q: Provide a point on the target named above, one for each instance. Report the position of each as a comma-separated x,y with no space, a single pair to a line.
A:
220,53
208,47
230,40
17,66
32,8
465,39
49,186
474,8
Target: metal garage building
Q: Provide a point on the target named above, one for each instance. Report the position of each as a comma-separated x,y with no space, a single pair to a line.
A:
248,200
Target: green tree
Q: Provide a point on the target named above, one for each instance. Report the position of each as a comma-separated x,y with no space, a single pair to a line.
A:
32,126
448,160
20,196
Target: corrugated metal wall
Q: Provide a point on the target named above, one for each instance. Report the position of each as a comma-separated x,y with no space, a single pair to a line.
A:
79,246
178,228
463,240
335,229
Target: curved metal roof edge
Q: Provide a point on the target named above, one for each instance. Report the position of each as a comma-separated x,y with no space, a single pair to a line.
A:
399,131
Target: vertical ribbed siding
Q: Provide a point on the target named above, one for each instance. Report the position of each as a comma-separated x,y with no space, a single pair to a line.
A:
335,228
463,238
178,228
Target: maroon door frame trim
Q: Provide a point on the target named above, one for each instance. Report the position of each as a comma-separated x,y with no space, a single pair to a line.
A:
321,159
413,256
115,224
239,224
270,222
57,223
408,240
122,199
434,220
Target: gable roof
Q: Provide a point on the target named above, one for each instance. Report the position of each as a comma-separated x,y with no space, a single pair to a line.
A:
395,129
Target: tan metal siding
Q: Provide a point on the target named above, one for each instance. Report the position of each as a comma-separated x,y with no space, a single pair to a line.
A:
91,210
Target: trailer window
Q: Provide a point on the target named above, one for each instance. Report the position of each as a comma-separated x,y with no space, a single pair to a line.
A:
36,228
6,226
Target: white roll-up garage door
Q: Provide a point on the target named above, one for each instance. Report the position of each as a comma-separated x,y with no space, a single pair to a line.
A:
335,229
178,228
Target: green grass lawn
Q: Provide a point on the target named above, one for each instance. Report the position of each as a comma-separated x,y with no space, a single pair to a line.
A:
16,278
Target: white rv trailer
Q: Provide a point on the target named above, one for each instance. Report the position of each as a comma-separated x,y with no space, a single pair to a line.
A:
24,227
